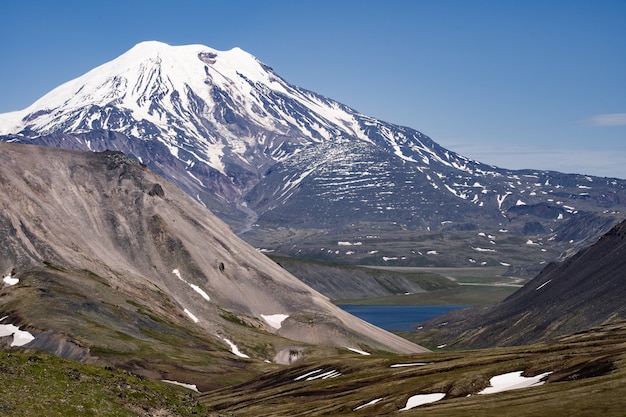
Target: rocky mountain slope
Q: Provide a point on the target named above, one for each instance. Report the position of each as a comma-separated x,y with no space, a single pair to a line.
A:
102,260
582,292
267,156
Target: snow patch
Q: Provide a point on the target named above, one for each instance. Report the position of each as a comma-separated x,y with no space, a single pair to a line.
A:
360,352
192,387
275,320
500,198
200,291
196,288
326,375
298,378
233,348
404,365
9,280
318,374
20,337
543,285
369,403
191,315
513,380
421,399
483,250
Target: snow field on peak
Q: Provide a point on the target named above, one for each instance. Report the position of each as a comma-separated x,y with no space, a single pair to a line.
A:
11,122
141,64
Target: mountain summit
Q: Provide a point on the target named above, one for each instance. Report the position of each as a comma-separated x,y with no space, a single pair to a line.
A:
264,154
211,108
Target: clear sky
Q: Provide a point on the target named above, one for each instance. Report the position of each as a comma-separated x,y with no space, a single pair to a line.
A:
535,84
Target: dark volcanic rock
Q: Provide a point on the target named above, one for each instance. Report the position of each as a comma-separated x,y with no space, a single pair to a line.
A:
586,290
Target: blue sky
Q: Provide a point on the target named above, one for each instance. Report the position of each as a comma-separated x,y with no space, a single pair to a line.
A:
518,84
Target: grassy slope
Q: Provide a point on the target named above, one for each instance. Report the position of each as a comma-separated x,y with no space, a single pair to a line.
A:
589,375
340,281
36,385
589,367
589,370
442,286
132,334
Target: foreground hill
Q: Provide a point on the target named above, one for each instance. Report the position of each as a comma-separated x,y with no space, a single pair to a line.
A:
104,261
35,384
576,375
298,173
584,291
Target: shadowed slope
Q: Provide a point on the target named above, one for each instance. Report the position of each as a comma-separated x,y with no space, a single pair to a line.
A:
584,291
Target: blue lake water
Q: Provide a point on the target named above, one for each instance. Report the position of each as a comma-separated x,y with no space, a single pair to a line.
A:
401,318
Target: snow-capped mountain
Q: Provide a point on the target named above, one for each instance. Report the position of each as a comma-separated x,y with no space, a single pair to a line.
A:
223,111
261,152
